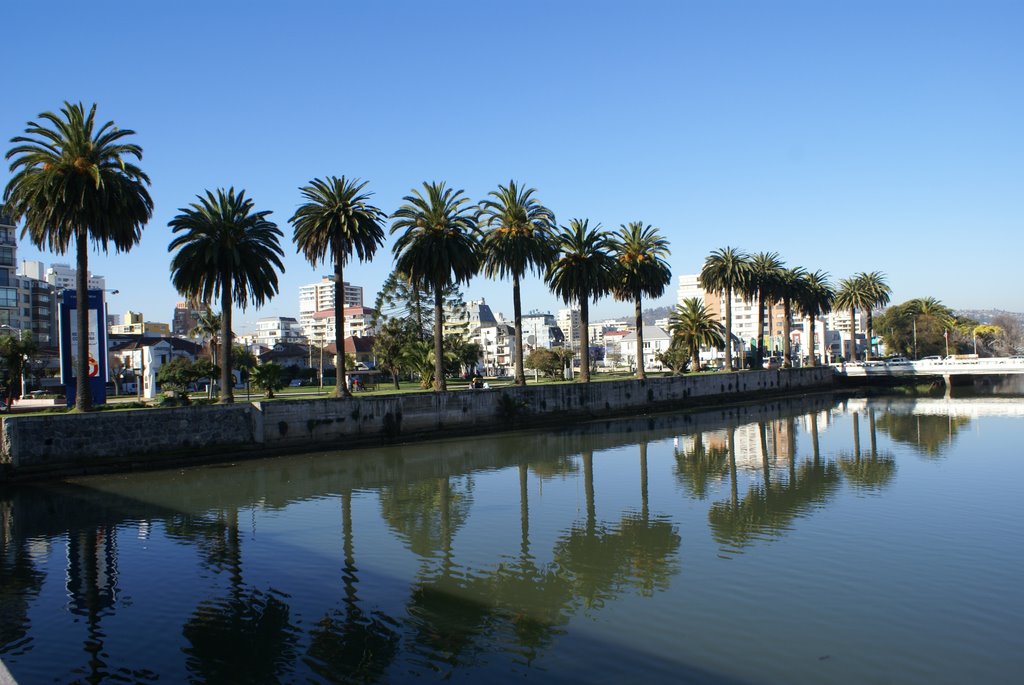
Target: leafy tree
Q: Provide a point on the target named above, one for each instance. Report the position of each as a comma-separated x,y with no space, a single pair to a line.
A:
726,270
642,270
439,248
335,222
464,354
916,328
763,287
268,377
676,358
14,353
177,374
583,271
546,361
226,250
814,298
73,182
518,239
391,339
693,327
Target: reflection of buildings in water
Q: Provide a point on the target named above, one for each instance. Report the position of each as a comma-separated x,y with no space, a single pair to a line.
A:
92,570
748,444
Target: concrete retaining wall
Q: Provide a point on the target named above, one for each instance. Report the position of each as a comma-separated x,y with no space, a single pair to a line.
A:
75,443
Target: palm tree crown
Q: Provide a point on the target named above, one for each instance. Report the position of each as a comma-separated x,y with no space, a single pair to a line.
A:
851,294
519,238
73,181
814,298
877,293
336,221
726,270
582,271
642,270
225,250
439,247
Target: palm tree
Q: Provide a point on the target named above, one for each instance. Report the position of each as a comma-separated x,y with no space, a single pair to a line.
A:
640,251
225,250
208,328
694,327
877,294
268,378
853,295
335,222
519,238
582,271
814,298
790,284
726,270
439,248
763,287
71,182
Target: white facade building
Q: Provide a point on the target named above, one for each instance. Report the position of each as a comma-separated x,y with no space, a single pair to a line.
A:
569,323
319,297
358,323
656,341
541,330
62,276
277,329
497,340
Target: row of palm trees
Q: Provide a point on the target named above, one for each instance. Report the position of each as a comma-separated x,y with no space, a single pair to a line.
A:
764,279
74,181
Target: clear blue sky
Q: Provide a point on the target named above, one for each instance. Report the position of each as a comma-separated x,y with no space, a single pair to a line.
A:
847,136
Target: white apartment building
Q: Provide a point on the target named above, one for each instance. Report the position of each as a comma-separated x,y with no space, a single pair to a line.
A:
62,277
358,323
541,330
273,330
464,320
656,341
569,322
498,342
319,297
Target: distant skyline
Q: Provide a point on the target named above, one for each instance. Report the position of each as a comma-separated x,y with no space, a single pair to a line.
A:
845,136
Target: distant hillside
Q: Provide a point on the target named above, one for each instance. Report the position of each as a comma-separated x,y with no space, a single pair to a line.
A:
655,313
988,315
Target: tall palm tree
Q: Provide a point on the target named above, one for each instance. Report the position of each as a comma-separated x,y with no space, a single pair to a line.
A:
583,271
726,270
814,298
518,238
852,295
226,250
694,327
72,181
790,285
642,270
877,293
763,287
335,222
440,247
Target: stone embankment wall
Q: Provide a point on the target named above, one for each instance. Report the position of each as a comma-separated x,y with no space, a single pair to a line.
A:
61,444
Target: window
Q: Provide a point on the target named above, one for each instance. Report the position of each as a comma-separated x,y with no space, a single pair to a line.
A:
6,256
8,297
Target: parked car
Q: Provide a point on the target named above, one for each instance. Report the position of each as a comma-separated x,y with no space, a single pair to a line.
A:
897,360
295,383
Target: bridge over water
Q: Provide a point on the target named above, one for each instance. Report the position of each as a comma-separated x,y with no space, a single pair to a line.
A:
988,366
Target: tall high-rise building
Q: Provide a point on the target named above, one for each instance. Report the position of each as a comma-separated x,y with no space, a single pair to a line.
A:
319,297
9,314
185,319
569,322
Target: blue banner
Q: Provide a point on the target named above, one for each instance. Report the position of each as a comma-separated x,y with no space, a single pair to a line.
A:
97,332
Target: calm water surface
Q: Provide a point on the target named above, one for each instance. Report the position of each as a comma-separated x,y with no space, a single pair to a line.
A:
815,541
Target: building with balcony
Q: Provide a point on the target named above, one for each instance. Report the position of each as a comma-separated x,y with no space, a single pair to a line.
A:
9,309
319,297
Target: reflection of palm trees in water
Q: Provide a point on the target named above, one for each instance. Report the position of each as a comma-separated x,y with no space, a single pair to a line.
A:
700,465
350,645
245,637
877,469
21,582
768,508
929,434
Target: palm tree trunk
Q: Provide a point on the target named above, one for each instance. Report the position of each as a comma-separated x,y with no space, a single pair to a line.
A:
787,353
517,308
585,349
227,379
853,334
588,490
644,500
341,383
867,350
812,357
638,313
83,396
439,381
758,361
728,329
394,376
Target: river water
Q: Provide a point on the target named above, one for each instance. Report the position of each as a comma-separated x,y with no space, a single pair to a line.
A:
808,541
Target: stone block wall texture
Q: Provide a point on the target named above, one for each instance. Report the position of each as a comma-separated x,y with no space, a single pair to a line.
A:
75,443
